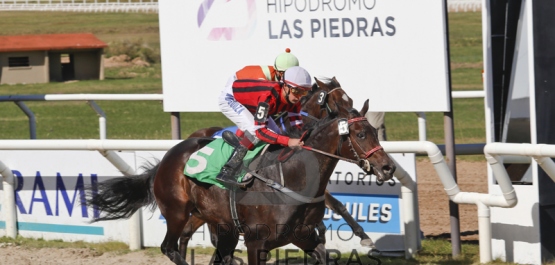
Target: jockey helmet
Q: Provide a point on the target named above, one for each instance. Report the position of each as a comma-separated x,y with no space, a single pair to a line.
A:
285,60
298,77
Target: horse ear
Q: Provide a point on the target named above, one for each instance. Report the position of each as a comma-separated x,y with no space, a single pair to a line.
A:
334,81
314,87
364,108
319,83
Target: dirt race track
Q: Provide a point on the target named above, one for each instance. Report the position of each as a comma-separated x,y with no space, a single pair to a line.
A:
434,222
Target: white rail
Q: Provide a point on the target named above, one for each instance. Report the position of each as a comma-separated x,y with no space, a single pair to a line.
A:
150,5
483,201
80,5
102,119
19,100
464,5
495,152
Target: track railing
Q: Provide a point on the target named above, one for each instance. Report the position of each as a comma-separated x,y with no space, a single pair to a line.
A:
19,100
150,5
483,201
80,5
464,5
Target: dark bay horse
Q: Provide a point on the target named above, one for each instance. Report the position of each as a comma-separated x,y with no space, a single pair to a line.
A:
267,224
316,106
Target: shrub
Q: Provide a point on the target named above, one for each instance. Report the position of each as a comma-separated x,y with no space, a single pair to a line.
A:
133,49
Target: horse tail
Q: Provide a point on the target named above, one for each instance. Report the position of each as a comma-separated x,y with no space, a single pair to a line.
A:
121,197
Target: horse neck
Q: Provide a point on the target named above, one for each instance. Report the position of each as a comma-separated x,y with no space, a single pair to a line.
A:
326,142
313,108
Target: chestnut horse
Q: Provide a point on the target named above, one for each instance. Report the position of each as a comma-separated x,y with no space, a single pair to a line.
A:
269,218
316,106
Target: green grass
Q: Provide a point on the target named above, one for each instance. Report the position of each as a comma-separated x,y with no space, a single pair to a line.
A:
98,248
106,26
433,251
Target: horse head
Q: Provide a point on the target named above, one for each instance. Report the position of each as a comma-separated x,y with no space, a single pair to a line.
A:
323,97
356,140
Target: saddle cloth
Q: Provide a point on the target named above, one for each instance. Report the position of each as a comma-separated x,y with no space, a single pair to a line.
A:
205,164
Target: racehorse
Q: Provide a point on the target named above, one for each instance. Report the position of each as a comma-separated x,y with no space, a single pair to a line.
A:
316,105
289,217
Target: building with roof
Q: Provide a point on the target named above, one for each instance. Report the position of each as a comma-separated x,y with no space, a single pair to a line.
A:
52,57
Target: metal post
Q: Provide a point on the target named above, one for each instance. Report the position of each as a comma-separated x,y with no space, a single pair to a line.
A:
31,116
176,128
448,126
101,118
421,126
9,207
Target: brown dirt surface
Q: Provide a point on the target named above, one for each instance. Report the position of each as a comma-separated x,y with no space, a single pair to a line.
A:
434,222
434,204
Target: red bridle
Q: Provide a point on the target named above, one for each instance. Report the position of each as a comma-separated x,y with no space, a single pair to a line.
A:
373,150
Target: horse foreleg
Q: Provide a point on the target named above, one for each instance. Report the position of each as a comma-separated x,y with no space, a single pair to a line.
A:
313,247
257,254
192,225
337,207
225,242
321,232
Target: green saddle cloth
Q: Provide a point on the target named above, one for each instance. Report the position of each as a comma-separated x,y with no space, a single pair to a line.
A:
205,164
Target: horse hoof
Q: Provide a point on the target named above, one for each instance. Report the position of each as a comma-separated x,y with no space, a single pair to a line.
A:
367,243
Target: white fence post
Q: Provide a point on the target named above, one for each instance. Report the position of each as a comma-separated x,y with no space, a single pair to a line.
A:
9,201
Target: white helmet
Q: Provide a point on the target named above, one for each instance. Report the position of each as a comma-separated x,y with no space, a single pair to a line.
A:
298,77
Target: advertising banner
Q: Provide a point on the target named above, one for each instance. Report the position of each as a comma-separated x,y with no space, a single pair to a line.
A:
392,52
50,193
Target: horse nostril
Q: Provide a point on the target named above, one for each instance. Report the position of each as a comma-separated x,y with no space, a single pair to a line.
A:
387,169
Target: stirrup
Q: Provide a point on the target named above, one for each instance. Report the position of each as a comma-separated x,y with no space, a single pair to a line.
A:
231,139
231,181
224,177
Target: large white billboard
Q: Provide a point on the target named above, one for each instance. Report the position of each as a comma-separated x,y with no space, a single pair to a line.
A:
392,52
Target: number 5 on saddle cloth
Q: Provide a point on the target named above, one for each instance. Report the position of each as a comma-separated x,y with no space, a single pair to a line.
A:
205,164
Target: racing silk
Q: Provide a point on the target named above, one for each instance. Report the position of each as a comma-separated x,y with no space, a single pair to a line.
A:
250,92
257,72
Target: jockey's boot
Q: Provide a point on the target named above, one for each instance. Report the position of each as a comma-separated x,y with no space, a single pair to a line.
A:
229,170
231,139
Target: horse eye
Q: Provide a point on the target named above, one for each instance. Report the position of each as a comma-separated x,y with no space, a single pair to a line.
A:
361,135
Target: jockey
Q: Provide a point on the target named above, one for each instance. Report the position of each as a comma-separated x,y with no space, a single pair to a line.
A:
250,102
267,72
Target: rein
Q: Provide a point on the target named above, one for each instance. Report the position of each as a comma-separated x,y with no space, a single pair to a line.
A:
309,148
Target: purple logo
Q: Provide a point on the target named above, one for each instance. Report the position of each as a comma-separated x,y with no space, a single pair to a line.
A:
227,33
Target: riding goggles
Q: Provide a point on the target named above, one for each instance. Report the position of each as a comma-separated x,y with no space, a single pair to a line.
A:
297,91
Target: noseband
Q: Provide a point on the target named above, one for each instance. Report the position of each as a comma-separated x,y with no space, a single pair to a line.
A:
363,163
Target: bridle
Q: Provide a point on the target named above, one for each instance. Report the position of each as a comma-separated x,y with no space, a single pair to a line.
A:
325,101
361,162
